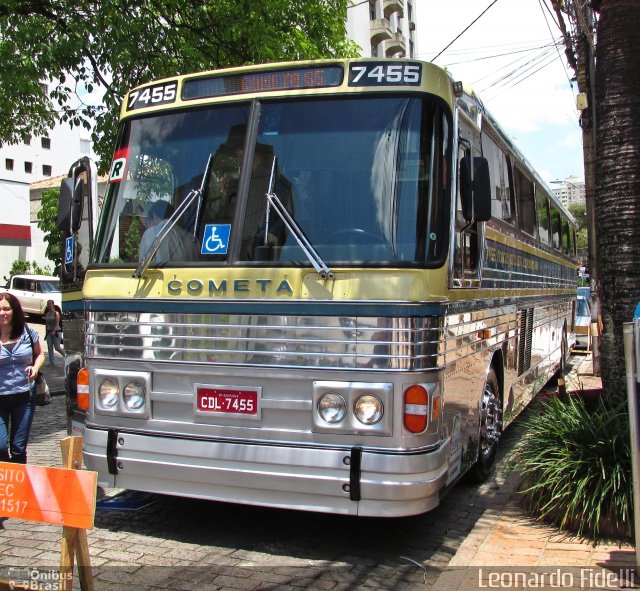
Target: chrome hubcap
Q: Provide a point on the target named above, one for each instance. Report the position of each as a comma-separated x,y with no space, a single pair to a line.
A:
490,420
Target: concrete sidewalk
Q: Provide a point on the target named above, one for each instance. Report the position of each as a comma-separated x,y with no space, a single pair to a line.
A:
580,376
505,537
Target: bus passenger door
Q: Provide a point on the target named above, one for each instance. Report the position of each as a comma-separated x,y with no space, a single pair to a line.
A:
77,214
469,233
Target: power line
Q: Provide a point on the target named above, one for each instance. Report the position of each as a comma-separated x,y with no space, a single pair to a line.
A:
514,47
497,55
465,30
532,59
516,77
542,6
518,66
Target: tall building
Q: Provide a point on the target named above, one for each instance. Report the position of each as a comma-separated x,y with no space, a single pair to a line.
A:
570,191
21,165
383,28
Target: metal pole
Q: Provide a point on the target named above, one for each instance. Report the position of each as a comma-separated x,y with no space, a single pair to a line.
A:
632,401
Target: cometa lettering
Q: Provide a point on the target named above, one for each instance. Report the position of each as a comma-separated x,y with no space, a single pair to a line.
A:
196,287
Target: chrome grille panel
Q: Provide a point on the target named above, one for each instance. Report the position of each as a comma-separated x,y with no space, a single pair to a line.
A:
404,344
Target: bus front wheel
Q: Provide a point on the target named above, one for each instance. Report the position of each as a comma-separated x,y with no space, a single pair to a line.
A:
490,428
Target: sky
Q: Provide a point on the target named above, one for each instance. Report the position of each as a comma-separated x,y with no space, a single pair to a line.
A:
509,57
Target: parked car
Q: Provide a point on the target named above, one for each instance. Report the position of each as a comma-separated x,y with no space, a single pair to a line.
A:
33,291
583,319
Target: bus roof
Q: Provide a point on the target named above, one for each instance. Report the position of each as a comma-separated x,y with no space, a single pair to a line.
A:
320,77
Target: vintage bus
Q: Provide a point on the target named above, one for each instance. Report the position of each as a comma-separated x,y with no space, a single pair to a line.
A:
324,286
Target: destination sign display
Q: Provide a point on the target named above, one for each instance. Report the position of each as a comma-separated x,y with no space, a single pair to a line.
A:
287,79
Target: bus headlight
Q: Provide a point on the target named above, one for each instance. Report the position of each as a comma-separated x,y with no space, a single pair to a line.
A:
357,408
108,393
332,408
122,392
133,395
368,409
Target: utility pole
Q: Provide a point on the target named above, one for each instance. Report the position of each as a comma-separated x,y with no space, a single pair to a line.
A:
580,51
586,84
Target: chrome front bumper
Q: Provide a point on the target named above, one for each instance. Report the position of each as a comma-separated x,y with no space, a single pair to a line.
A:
350,481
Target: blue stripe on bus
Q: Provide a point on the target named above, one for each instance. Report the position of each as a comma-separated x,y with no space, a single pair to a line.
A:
307,308
508,267
269,308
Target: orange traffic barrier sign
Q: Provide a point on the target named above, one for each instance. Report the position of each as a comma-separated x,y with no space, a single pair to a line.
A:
48,495
59,496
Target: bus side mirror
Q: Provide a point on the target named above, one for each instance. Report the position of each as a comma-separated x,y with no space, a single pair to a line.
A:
475,194
78,200
70,205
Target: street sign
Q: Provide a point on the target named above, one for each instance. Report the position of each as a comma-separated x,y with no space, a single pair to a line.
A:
216,239
68,250
48,495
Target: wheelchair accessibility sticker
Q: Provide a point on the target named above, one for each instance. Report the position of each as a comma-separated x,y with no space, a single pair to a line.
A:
216,239
68,250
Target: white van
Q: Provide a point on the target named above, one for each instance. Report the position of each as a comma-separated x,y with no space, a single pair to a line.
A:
33,292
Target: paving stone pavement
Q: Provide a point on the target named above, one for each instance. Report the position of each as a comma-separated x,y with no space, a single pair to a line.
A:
478,538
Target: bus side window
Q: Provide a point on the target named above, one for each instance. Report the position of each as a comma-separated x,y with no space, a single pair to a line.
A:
502,207
465,266
526,203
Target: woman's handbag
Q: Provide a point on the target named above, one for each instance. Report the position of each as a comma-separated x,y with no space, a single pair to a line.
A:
43,395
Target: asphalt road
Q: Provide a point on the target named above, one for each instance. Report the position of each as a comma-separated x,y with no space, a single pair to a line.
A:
175,543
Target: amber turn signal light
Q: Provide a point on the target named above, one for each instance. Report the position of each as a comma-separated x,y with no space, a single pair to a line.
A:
83,388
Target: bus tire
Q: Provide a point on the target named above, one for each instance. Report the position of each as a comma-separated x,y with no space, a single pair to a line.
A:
564,355
490,428
564,351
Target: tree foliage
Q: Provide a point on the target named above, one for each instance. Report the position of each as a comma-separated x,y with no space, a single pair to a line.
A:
22,267
109,46
579,213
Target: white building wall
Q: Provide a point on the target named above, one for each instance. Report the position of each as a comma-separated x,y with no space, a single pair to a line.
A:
19,238
14,233
358,27
391,25
570,191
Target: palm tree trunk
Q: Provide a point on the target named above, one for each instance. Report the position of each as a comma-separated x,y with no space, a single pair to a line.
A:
617,205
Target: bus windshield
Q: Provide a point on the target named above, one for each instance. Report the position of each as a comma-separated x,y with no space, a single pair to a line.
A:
366,179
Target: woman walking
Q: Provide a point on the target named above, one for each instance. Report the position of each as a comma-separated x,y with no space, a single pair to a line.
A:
21,358
54,331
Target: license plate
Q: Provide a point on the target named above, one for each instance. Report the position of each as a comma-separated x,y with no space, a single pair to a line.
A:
228,401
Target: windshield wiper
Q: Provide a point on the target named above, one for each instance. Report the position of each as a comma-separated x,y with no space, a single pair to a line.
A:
173,220
274,201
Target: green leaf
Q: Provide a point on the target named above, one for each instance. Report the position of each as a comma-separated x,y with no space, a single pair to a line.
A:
131,42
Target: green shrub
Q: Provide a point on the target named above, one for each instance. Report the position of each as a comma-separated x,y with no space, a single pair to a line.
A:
20,267
576,463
